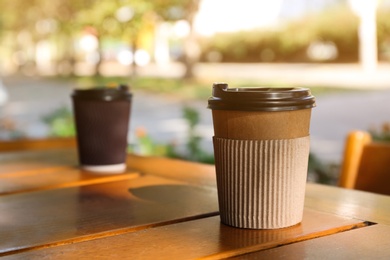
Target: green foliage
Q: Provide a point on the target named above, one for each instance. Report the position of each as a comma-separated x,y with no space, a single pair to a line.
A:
290,42
320,172
172,10
192,117
61,123
9,129
61,21
381,134
383,34
145,145
194,149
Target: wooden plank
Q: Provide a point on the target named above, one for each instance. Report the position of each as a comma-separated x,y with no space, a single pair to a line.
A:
37,144
60,216
54,178
49,169
14,162
191,172
206,238
348,203
372,242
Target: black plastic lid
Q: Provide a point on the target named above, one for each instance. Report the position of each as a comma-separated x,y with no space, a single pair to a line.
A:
260,99
103,93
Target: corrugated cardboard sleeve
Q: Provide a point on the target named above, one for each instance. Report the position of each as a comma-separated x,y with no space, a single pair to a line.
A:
261,183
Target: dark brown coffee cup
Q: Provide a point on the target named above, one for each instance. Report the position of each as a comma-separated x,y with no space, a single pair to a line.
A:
261,148
102,122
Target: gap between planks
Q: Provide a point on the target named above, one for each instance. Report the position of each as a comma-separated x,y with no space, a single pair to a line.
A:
261,247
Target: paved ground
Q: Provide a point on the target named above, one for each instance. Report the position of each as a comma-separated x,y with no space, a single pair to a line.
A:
336,114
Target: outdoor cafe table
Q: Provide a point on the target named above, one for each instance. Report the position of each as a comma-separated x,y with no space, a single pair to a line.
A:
167,209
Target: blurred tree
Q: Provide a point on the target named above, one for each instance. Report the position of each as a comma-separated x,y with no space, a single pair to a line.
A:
65,12
58,20
62,20
37,20
15,17
174,10
290,41
383,33
120,19
127,19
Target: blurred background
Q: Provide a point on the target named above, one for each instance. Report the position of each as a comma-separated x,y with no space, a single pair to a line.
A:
171,51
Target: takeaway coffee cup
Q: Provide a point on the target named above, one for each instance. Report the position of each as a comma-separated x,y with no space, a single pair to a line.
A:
261,148
102,122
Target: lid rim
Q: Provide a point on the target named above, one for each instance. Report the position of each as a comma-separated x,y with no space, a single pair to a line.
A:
260,99
102,94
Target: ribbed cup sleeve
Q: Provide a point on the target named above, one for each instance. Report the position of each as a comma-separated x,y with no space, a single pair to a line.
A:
261,183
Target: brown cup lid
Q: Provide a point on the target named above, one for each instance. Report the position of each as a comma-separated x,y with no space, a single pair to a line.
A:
260,99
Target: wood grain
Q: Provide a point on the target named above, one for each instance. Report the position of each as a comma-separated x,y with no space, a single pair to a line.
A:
49,169
349,203
371,242
206,238
15,162
54,178
76,214
168,210
191,172
37,144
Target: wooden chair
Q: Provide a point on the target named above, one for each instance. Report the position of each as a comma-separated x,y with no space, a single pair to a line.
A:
37,144
366,164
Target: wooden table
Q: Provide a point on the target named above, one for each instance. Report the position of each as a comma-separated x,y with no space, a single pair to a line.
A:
167,209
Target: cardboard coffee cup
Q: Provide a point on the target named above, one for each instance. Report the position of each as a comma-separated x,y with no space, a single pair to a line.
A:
102,123
261,147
